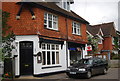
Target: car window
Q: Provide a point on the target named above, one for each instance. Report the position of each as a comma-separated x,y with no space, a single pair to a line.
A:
85,61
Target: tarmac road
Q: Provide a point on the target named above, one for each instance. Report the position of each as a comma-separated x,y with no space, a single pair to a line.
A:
112,75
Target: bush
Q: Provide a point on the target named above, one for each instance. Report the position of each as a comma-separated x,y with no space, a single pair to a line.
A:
0,54
115,56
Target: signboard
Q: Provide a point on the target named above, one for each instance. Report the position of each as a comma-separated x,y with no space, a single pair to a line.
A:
89,48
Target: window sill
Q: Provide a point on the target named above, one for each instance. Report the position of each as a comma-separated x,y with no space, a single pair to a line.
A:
77,34
51,67
52,29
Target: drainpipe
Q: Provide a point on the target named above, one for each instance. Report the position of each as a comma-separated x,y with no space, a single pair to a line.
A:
66,41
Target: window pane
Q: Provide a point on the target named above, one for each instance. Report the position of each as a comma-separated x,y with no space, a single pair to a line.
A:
54,25
68,6
43,46
57,57
45,16
44,58
64,5
53,47
50,24
48,58
48,46
53,57
78,31
54,18
75,30
49,17
57,47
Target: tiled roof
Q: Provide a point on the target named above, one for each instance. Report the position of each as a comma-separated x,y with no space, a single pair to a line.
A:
108,29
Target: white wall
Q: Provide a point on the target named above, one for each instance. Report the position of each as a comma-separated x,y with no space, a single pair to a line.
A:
85,51
38,66
33,38
62,56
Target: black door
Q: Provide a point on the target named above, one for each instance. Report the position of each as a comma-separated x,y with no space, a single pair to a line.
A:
26,58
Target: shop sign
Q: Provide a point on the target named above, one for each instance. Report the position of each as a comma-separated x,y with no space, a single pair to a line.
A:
89,48
72,48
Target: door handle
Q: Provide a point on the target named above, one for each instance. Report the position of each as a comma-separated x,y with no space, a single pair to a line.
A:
26,65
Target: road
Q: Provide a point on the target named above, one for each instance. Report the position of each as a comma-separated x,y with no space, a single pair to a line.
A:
111,75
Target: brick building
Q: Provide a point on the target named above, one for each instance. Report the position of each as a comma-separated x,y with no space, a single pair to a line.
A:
49,36
106,33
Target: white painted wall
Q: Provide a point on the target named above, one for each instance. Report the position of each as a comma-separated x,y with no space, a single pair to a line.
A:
62,56
38,66
85,51
33,38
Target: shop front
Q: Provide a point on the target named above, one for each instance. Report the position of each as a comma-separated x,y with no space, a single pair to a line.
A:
75,52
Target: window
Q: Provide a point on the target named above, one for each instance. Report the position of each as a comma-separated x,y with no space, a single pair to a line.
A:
112,40
76,28
100,41
50,54
50,21
66,5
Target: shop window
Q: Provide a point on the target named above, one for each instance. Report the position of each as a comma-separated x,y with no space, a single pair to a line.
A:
50,54
48,58
53,57
44,58
57,57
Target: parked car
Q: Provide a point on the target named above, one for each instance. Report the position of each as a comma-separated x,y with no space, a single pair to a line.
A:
88,67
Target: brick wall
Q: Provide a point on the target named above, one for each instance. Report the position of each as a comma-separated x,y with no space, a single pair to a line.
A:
107,43
27,26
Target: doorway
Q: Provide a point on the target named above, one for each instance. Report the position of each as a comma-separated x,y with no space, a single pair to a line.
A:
26,58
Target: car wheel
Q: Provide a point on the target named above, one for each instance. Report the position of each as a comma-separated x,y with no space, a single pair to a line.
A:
89,74
104,71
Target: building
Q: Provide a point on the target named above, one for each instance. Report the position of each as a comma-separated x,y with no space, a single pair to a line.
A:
105,33
49,36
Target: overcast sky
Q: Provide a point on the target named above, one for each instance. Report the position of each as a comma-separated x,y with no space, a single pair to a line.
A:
97,11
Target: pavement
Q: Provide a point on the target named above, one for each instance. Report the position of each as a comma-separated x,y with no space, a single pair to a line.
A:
111,75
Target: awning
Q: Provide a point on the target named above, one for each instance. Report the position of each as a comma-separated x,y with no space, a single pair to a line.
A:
74,46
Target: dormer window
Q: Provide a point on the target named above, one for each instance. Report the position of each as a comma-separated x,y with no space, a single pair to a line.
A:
66,5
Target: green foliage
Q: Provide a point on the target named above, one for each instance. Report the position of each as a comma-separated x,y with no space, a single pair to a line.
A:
94,42
116,42
7,36
115,56
0,54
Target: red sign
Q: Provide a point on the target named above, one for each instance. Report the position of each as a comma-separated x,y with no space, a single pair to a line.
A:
89,48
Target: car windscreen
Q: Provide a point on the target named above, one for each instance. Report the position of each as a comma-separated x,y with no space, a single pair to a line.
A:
85,61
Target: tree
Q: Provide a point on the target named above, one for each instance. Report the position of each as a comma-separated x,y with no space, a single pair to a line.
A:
93,41
7,36
7,46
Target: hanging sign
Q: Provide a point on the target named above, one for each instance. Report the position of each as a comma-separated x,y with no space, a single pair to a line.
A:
89,48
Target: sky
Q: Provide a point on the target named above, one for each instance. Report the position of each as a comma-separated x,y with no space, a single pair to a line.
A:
97,11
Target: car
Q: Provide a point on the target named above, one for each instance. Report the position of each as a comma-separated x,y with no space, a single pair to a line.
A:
87,67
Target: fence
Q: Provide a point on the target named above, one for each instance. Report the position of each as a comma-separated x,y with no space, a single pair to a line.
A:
104,56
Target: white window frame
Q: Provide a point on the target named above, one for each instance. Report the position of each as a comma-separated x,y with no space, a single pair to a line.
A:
113,41
66,5
76,29
54,19
51,50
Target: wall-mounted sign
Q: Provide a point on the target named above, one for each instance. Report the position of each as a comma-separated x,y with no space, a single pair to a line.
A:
72,48
89,48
